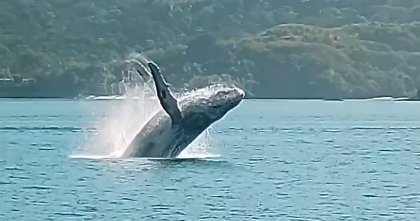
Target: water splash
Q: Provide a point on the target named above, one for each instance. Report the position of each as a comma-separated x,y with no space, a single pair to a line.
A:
127,116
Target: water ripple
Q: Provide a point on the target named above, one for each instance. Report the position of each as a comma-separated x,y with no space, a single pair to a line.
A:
310,163
51,128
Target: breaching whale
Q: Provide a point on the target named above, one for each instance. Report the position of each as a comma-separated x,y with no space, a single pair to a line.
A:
172,129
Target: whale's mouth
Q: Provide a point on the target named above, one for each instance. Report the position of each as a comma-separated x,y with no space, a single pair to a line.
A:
236,96
241,94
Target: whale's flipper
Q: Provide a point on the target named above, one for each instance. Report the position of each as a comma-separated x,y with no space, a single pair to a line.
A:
168,102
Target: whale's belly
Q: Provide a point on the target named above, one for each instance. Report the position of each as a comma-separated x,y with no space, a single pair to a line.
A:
160,139
160,142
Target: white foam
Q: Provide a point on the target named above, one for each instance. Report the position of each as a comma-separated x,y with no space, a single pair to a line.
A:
125,119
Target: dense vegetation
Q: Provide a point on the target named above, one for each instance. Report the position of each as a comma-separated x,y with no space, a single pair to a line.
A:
271,48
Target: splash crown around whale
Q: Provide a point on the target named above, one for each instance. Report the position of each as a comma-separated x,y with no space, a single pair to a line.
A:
172,129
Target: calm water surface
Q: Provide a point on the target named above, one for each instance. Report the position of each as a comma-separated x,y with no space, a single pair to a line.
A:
280,160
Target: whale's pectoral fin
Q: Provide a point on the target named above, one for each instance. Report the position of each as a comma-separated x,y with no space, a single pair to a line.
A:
168,102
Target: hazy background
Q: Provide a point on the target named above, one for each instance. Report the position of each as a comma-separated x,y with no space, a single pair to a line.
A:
271,48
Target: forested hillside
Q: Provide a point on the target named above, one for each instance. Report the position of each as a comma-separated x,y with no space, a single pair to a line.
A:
271,48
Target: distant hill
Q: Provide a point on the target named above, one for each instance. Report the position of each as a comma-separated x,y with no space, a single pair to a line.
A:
270,48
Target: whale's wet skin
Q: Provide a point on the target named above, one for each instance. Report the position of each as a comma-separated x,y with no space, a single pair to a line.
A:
172,129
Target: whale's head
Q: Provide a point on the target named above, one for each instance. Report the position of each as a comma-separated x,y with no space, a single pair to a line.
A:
214,102
222,101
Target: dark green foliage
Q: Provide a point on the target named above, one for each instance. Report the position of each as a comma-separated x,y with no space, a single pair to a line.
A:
271,48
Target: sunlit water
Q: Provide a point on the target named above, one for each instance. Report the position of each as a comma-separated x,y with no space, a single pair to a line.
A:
266,160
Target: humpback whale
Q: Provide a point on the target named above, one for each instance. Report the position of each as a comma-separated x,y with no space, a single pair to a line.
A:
172,129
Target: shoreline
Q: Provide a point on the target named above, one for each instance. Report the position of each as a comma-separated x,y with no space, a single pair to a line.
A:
385,98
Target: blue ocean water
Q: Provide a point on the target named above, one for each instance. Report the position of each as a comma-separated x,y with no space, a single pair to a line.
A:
278,160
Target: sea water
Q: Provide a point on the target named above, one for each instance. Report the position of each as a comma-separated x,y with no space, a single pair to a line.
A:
266,160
